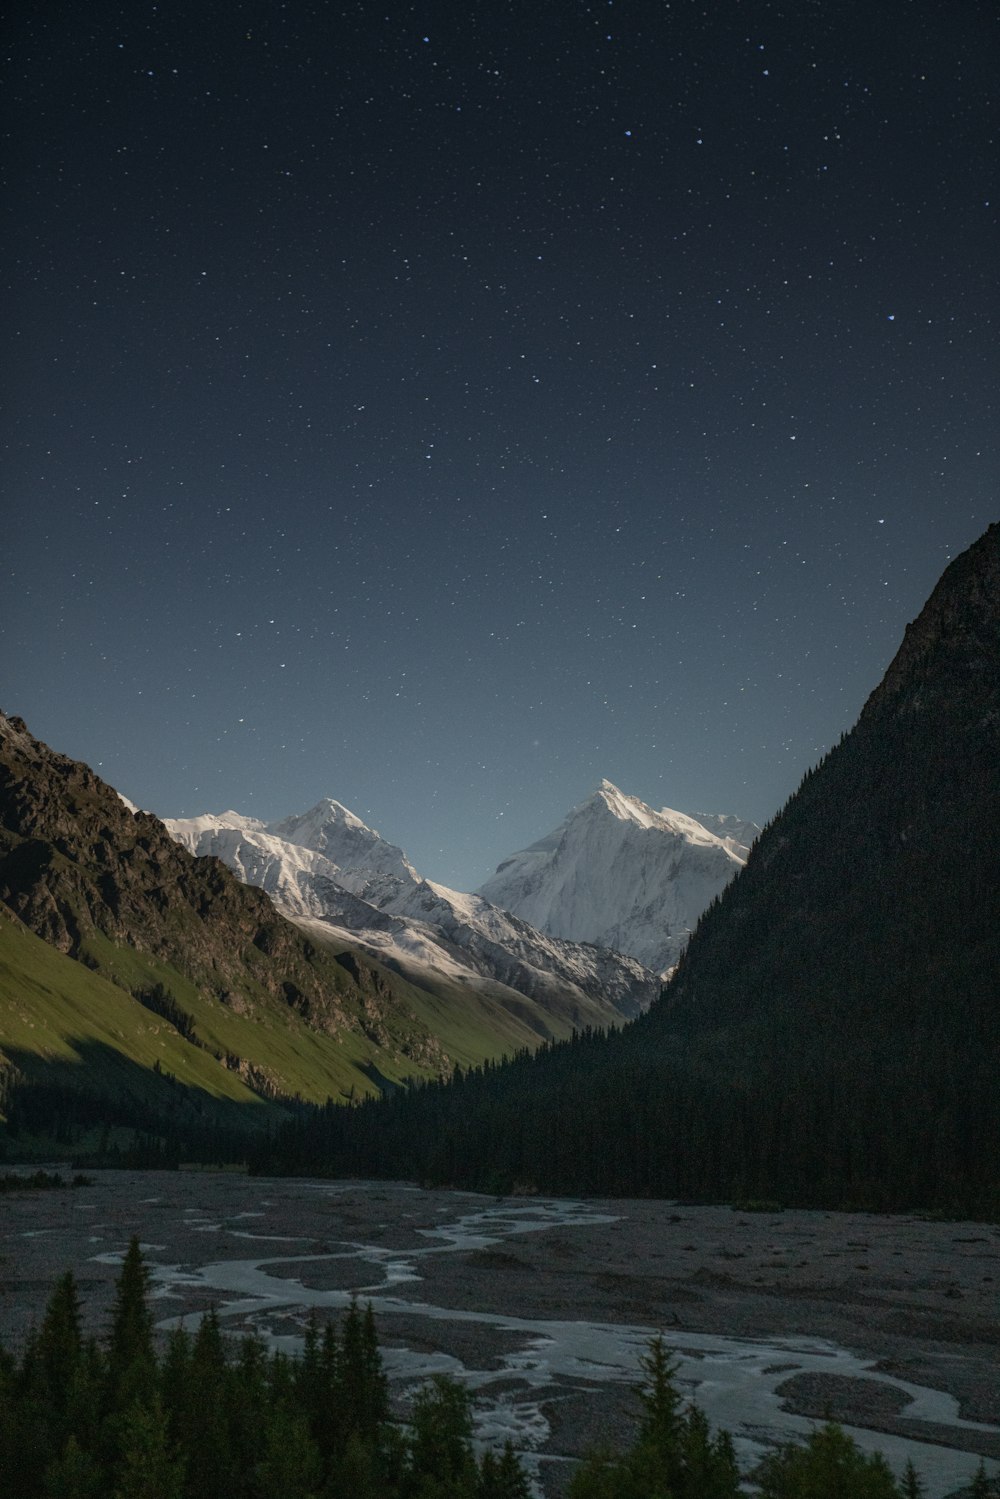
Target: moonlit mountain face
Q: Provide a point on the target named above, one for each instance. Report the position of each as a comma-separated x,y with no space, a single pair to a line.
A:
621,875
294,858
326,866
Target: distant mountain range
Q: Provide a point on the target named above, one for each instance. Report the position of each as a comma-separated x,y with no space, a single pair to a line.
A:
337,877
118,947
596,908
162,969
143,986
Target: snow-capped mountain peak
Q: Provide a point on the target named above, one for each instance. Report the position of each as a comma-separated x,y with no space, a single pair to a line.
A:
365,863
617,873
319,824
627,808
630,809
188,829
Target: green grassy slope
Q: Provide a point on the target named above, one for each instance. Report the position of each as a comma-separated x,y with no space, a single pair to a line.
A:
55,1009
51,1008
480,1021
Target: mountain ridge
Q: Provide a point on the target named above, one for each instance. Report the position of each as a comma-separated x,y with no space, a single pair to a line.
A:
116,896
348,876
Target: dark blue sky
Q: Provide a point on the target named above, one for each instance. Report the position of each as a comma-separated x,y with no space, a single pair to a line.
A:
441,407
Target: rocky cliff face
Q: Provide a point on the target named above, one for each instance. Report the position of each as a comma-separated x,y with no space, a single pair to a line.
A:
89,876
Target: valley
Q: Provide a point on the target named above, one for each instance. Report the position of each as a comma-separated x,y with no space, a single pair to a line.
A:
544,1306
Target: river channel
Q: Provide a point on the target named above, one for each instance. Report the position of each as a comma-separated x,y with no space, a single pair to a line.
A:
543,1308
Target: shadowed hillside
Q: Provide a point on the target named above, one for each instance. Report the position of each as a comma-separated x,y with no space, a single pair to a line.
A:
833,1032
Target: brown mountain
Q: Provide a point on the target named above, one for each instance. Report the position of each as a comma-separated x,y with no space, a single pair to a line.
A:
209,959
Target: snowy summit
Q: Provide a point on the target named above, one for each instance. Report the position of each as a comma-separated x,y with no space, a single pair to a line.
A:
617,873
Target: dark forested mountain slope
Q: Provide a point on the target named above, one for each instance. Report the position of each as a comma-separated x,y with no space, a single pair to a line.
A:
872,901
833,1032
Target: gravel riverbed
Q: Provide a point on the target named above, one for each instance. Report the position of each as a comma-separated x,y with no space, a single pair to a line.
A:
544,1307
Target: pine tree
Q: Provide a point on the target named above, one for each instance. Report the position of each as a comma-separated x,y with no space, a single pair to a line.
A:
249,1405
502,1477
600,1476
59,1346
148,1467
441,1462
205,1419
75,1474
911,1485
981,1487
131,1364
829,1465
290,1467
661,1421
174,1375
654,1464
357,1473
362,1388
707,1466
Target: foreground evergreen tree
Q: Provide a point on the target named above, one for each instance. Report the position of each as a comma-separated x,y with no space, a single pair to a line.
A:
827,1466
131,1365
910,1485
982,1487
441,1461
502,1477
74,1474
148,1467
59,1348
675,1455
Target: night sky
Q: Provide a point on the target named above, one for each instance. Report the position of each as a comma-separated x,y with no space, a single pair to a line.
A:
441,407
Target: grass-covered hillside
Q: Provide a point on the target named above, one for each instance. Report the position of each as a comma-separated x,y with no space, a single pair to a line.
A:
132,972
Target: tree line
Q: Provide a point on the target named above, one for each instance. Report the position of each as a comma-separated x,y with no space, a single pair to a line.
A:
794,1119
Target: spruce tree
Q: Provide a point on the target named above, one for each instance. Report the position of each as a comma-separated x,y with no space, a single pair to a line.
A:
59,1346
502,1477
362,1388
911,1486
600,1476
981,1487
131,1364
75,1474
205,1423
654,1464
148,1468
441,1462
829,1465
290,1467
